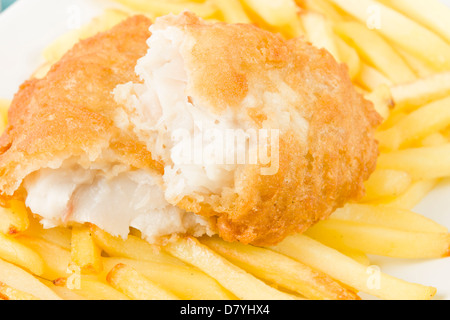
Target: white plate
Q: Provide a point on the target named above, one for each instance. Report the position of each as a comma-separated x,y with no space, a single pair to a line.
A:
28,26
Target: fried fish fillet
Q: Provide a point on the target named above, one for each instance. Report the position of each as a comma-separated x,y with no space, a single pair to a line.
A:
200,81
74,165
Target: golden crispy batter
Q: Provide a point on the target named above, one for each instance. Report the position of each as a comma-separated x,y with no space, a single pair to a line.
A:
69,112
318,172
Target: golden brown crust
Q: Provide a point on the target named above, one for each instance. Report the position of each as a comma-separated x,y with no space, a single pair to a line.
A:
318,172
69,112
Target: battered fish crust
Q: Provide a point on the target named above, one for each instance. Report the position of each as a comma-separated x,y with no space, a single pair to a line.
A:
323,159
327,146
69,112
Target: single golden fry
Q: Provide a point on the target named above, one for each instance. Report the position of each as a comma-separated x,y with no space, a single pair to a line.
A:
60,46
417,125
402,31
85,253
410,96
382,100
386,183
56,259
370,78
4,106
21,280
413,195
431,13
9,293
434,140
184,281
132,248
92,289
276,13
394,118
157,8
135,285
420,163
349,56
323,7
319,32
382,241
420,68
232,11
376,51
382,216
281,270
358,256
60,236
242,284
350,272
17,253
62,291
14,219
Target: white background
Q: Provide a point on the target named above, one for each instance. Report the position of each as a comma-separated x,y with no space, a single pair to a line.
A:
28,26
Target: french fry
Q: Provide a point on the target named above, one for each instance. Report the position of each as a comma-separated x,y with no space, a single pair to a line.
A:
15,252
85,253
434,140
350,272
89,288
412,95
413,195
56,259
4,106
21,280
184,281
420,68
446,133
370,78
386,183
232,11
382,241
60,236
420,163
275,13
417,125
135,285
160,8
9,293
376,51
293,30
349,56
14,219
394,118
323,7
402,31
132,248
319,32
60,46
92,289
358,256
400,219
242,284
62,291
382,100
281,270
433,14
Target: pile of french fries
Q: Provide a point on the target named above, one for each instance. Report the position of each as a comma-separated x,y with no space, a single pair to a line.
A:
398,56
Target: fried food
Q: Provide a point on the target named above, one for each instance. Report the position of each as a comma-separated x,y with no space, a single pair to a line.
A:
201,79
96,142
